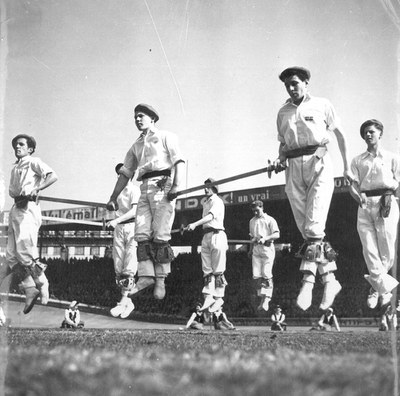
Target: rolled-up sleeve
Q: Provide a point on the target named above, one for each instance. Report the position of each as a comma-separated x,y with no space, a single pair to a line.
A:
355,170
396,168
332,119
130,164
280,135
40,168
172,145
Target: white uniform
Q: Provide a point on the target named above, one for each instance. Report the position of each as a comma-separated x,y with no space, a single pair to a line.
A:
378,234
124,247
156,151
263,255
309,178
214,246
303,131
24,223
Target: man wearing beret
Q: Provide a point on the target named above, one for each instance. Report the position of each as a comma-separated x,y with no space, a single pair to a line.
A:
213,248
304,124
376,178
29,176
156,158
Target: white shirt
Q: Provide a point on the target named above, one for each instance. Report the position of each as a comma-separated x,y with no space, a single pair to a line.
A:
307,124
263,226
382,171
157,150
214,205
27,174
128,197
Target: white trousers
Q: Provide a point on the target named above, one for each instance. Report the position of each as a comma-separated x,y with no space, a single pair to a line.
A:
154,218
263,261
213,252
23,229
309,187
378,236
155,213
213,259
124,250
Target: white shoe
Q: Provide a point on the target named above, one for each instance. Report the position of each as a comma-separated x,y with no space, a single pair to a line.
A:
373,297
2,317
331,289
209,300
159,289
265,304
44,292
304,298
385,299
219,302
128,309
117,310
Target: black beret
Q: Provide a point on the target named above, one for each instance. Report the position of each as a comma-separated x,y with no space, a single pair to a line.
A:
147,109
29,139
118,167
370,122
211,180
295,70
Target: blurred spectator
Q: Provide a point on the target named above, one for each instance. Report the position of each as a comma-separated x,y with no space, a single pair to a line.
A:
388,319
278,320
72,317
221,321
328,321
197,319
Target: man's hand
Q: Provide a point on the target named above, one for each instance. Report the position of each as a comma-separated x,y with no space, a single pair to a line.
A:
280,164
348,176
112,206
172,193
363,200
112,223
34,193
190,227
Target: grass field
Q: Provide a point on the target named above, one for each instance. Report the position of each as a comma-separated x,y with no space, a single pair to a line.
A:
154,362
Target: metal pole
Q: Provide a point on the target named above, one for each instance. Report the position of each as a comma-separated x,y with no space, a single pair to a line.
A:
270,168
63,220
72,201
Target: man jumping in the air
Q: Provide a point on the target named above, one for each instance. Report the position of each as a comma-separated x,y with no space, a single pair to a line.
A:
304,123
156,157
29,176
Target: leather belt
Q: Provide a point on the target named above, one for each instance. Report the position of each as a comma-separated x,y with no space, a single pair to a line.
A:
209,229
378,192
21,198
164,172
299,152
128,221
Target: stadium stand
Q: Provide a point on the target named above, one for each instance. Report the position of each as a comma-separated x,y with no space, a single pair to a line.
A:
91,281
